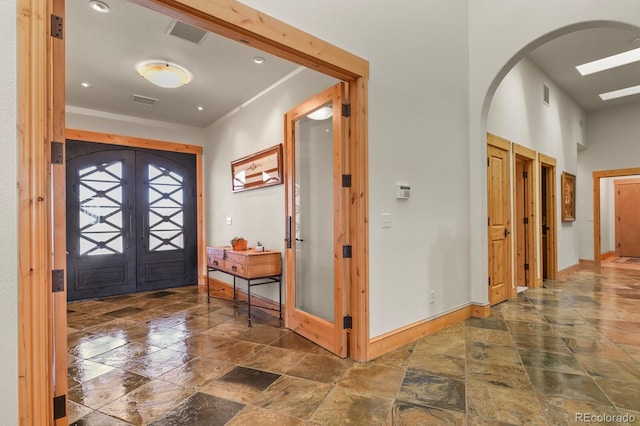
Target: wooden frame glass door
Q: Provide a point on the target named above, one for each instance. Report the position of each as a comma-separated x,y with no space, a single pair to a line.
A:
317,220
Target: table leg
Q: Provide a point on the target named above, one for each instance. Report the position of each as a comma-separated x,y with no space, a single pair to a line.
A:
249,301
280,296
234,288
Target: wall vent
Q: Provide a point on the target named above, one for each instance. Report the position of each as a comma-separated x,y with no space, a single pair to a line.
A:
186,32
144,100
545,94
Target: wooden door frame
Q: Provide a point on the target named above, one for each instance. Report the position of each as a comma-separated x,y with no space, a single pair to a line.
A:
552,233
42,233
597,175
529,156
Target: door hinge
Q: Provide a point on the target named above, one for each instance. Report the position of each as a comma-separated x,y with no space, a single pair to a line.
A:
347,322
59,407
346,252
487,161
525,174
346,110
57,26
57,280
488,221
346,181
526,266
525,220
489,281
57,152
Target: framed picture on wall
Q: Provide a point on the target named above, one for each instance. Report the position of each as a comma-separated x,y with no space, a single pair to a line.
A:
257,170
568,197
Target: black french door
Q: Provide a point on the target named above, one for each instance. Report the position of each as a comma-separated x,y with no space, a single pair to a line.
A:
131,220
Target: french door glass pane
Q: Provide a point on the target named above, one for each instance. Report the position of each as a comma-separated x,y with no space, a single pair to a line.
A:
166,209
314,213
100,201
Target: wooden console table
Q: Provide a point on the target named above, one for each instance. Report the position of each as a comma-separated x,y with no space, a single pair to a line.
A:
257,268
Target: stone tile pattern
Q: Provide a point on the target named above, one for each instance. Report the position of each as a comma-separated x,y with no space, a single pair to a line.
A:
542,358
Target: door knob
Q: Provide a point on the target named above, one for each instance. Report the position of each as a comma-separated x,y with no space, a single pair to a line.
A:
506,232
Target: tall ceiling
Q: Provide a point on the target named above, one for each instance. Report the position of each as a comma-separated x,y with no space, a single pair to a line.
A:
559,57
103,49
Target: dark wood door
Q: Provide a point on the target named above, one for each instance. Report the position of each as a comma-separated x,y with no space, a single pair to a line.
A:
131,220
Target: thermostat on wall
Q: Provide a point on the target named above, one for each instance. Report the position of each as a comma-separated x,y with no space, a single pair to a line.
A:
403,191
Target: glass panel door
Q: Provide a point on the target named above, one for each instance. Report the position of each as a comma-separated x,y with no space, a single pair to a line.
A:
314,213
317,220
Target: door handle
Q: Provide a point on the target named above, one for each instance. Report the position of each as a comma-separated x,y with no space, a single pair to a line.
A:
506,232
288,237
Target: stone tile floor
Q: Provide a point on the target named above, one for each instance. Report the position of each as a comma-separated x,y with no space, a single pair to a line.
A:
549,355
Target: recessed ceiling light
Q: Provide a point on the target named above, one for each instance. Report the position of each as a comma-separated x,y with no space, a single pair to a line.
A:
609,62
200,108
627,91
99,6
164,74
85,84
258,60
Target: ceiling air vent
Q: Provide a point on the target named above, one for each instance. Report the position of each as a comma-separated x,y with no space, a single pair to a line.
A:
186,31
144,100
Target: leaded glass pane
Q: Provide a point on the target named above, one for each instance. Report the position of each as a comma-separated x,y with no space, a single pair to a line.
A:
100,215
166,208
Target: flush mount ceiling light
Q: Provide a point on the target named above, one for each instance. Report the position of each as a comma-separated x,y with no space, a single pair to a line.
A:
164,74
322,113
627,91
99,6
85,84
609,62
258,60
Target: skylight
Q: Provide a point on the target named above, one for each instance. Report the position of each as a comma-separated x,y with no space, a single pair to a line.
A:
609,62
627,91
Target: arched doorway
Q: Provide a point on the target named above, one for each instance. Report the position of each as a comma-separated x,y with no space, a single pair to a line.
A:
566,156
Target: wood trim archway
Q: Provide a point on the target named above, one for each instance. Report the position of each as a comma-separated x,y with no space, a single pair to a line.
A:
41,244
597,175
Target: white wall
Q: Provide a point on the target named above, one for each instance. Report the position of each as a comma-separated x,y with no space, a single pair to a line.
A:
8,213
517,113
418,135
607,230
99,121
612,143
257,214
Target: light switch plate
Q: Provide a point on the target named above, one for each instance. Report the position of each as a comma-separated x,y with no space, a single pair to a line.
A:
386,220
